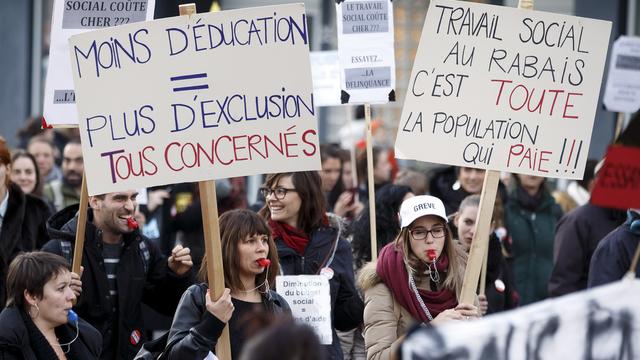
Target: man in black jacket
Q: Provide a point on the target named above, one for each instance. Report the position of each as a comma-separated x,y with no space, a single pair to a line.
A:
122,269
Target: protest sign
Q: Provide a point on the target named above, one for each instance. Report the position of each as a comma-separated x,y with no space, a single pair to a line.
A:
601,323
72,17
503,89
365,50
618,182
310,302
195,98
325,70
622,92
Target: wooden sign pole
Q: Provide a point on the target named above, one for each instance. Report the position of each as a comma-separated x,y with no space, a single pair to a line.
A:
480,242
372,190
213,246
78,246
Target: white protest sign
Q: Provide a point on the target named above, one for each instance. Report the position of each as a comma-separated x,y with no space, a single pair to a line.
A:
310,300
503,89
325,70
72,17
601,323
365,50
210,96
622,92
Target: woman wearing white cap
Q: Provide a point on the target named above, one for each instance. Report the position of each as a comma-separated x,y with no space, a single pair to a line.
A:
417,278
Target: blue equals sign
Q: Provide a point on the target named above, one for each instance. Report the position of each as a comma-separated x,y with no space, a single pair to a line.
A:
189,77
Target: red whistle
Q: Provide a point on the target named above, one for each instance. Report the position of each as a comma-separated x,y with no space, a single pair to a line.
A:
431,254
264,262
132,224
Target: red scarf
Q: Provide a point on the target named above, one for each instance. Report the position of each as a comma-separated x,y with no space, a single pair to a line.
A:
292,237
393,272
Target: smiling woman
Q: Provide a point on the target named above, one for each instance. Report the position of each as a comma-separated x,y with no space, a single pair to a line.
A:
310,243
25,173
38,322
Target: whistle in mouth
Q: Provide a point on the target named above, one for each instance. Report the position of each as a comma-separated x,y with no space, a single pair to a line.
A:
131,223
264,262
431,254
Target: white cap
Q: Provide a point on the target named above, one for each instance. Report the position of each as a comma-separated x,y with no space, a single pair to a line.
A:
419,206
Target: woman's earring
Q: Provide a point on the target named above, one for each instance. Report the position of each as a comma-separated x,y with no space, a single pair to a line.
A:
37,313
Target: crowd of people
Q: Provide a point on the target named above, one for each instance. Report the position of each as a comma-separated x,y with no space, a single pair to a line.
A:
305,223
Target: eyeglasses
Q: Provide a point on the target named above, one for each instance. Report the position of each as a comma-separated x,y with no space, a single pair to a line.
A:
421,233
279,192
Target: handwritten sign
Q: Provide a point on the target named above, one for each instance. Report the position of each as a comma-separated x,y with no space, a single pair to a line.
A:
503,89
622,92
597,324
365,50
310,301
210,96
618,182
75,17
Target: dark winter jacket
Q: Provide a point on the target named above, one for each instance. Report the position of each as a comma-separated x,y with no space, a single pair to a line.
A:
143,275
327,248
195,331
612,258
441,186
498,285
577,236
16,342
23,229
532,233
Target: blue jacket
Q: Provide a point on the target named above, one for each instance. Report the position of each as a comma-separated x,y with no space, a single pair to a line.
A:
612,258
327,248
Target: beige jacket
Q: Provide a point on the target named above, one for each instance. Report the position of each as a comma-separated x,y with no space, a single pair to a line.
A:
385,320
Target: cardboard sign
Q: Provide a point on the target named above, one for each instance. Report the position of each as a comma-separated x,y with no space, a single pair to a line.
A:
503,89
601,323
622,92
618,182
325,69
365,50
310,301
204,97
75,17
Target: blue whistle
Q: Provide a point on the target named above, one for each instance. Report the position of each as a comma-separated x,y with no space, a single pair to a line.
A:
72,317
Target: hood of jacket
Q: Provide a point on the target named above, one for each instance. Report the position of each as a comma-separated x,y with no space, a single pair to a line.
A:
368,277
63,224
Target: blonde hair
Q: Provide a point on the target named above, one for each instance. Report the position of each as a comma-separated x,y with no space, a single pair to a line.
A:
457,260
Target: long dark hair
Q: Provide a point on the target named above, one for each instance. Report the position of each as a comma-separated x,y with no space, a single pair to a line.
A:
37,190
309,187
388,200
235,226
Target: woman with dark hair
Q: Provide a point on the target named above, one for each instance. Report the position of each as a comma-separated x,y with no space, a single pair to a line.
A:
531,217
309,243
417,278
388,200
25,173
250,262
22,219
38,322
